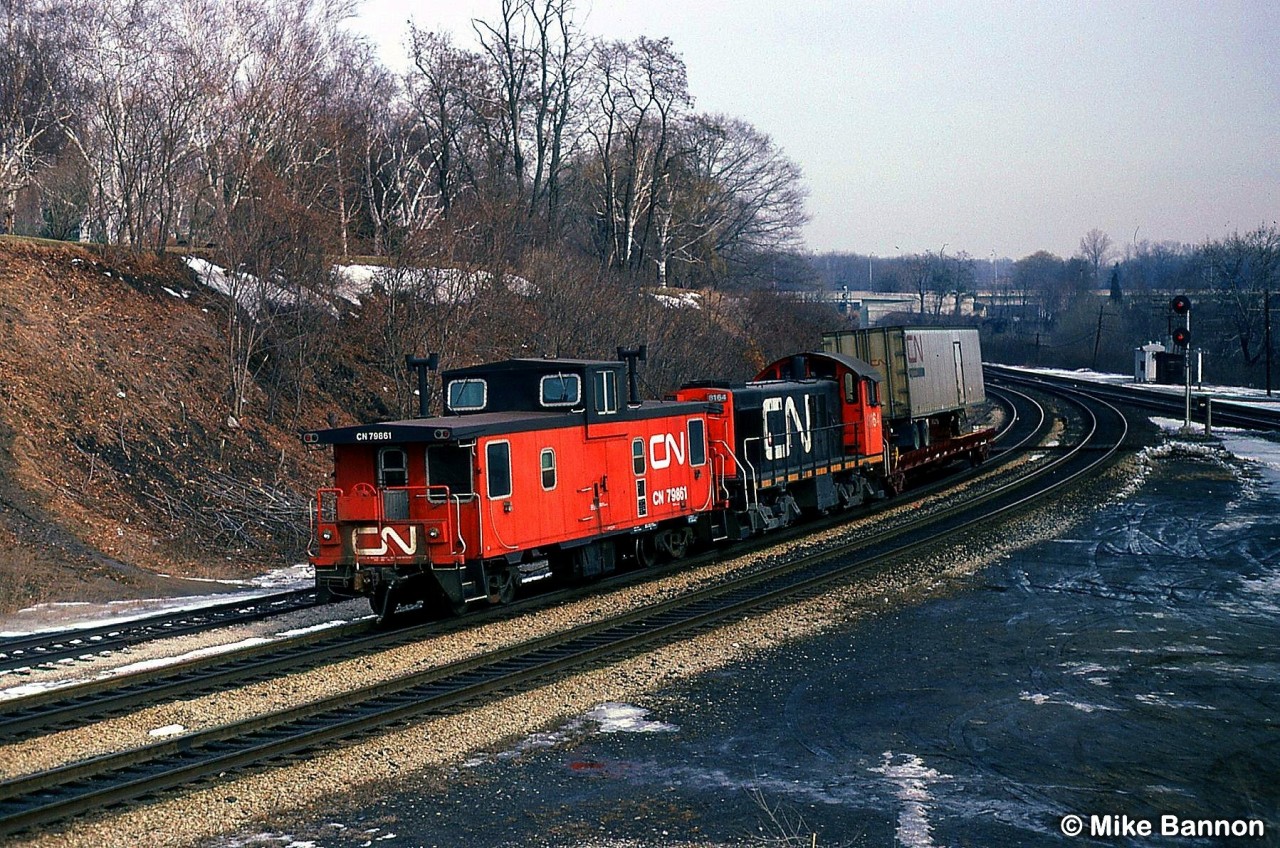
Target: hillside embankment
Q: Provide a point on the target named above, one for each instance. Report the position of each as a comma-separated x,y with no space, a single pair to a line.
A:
121,472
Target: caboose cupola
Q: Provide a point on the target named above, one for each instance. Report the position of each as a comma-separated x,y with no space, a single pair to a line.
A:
535,385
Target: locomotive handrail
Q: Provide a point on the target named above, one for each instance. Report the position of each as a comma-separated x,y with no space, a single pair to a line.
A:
751,478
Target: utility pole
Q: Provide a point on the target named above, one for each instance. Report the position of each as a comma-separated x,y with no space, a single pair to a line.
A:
1266,335
1097,339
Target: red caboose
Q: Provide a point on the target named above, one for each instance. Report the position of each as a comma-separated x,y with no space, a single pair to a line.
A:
537,464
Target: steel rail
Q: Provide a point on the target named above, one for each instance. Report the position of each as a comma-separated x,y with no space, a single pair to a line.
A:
1226,412
50,647
79,787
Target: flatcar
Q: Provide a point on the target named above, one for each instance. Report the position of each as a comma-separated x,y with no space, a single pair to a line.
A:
548,466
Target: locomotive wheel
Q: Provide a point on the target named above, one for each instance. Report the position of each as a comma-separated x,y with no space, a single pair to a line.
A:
503,585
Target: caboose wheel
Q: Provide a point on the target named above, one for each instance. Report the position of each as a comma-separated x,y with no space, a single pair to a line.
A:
503,585
645,553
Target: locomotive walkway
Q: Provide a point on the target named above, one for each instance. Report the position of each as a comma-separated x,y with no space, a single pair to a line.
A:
53,795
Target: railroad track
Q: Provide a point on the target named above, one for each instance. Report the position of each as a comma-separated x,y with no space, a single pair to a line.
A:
79,704
52,647
50,796
1225,412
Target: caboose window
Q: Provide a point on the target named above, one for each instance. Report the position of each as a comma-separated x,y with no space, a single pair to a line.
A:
697,442
393,468
637,456
448,466
548,464
498,464
605,385
561,390
468,395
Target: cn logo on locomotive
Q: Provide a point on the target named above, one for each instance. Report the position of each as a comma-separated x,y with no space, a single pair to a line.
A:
672,448
780,448
385,537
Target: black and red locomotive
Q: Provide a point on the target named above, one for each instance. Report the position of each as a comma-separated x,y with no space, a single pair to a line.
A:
550,465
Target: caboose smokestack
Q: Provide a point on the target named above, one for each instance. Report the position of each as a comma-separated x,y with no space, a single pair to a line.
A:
422,366
632,355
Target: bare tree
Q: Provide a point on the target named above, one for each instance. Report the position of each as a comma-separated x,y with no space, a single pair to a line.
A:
1246,268
35,91
736,198
639,90
1096,250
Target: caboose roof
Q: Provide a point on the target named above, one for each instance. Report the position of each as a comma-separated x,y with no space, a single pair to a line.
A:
455,428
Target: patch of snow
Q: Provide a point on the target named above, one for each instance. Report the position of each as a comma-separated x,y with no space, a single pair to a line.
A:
53,617
167,730
315,628
682,300
609,717
911,779
625,718
439,285
1040,699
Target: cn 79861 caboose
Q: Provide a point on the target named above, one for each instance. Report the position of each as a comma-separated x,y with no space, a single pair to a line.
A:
537,462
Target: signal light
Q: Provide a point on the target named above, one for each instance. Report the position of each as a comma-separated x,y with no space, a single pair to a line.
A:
1182,337
1181,304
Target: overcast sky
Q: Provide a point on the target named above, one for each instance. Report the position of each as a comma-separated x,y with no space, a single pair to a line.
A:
995,128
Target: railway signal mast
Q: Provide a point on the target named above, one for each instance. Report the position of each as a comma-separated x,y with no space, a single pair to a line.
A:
1181,305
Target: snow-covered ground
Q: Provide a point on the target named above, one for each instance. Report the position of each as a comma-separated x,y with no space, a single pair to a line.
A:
1234,394
55,617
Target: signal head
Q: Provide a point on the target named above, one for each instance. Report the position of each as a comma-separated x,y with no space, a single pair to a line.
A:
1181,304
1182,337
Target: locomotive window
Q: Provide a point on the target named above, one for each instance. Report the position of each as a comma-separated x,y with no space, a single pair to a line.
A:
606,391
393,468
561,390
450,466
697,442
498,464
637,456
548,463
850,388
873,393
468,395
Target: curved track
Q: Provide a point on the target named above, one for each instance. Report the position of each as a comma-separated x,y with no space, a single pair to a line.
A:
1226,412
49,796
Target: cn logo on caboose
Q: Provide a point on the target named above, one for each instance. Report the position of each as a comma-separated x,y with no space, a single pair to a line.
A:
385,537
672,448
